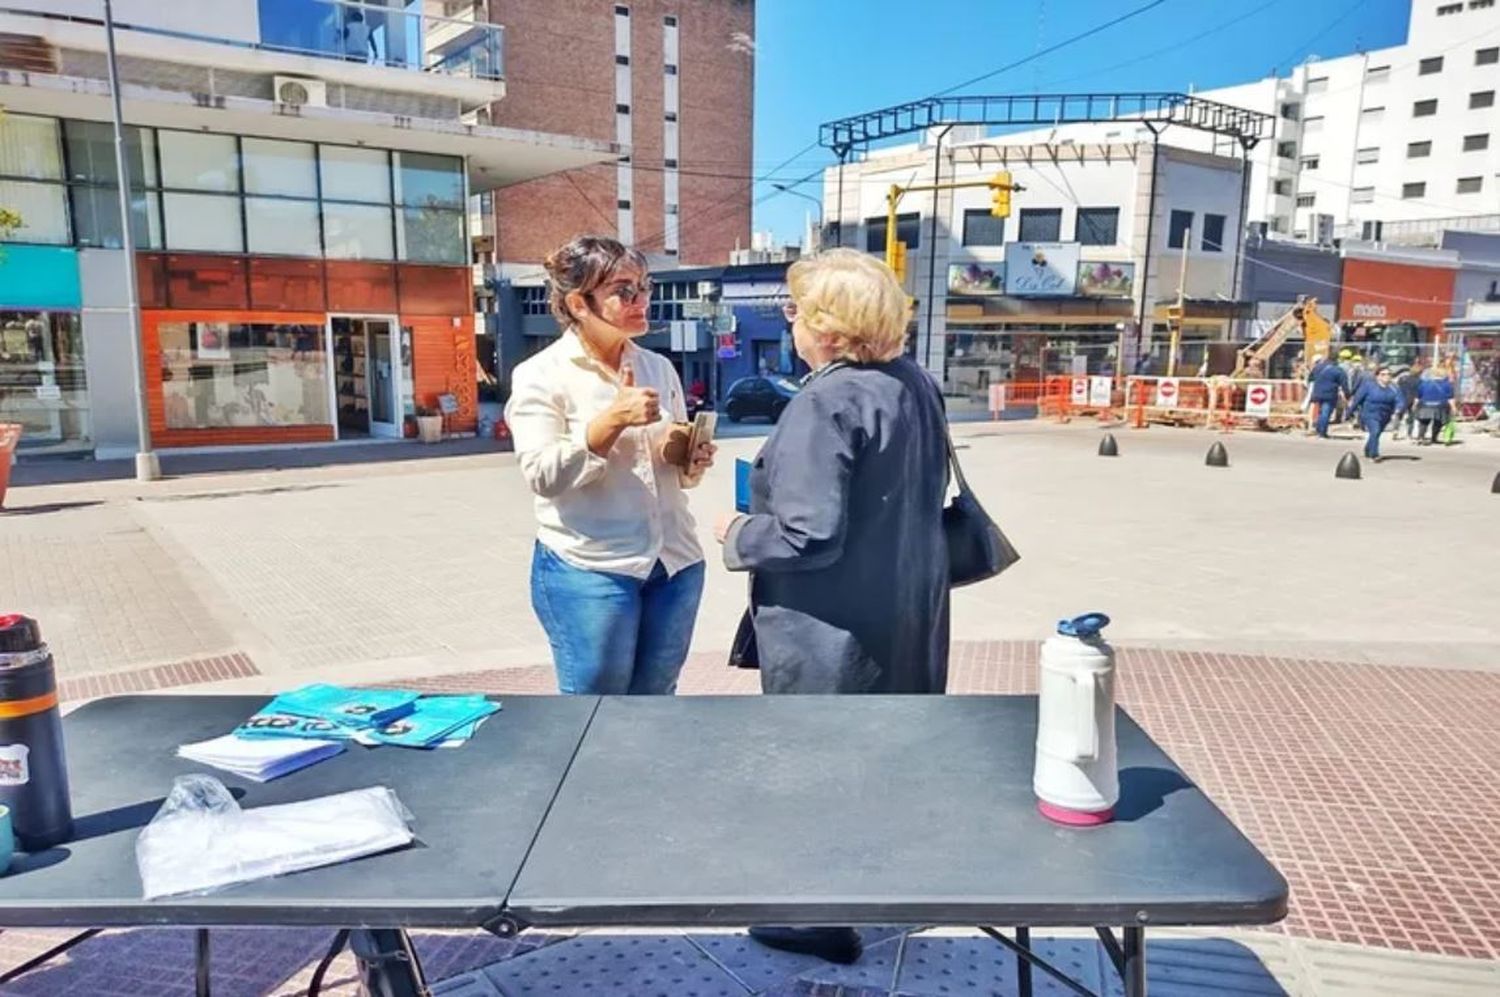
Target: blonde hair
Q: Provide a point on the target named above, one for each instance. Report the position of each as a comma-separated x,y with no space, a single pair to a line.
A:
854,302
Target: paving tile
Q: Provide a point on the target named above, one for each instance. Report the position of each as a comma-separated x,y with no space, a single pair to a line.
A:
645,965
946,966
467,985
757,966
875,969
1200,967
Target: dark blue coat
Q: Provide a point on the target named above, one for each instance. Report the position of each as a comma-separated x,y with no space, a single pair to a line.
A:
1328,380
1376,404
849,584
1434,391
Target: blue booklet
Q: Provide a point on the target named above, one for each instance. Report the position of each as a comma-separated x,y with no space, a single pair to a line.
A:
436,719
349,707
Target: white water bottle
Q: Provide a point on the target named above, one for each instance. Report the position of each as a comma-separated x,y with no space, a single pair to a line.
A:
1076,779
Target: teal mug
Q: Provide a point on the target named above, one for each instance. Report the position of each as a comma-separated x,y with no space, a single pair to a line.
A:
7,840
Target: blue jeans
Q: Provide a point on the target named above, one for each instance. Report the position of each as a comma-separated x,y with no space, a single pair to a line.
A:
1325,415
613,634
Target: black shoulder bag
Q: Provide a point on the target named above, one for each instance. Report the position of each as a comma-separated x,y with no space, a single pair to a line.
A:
976,548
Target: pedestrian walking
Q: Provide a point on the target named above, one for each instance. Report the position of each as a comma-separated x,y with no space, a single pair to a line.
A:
1408,382
1329,385
1435,404
1376,400
844,539
617,570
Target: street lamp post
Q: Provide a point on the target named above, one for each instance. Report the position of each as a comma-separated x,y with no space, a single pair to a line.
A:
806,197
147,466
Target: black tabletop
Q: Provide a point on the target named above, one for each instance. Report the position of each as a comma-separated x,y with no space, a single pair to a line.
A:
477,809
811,809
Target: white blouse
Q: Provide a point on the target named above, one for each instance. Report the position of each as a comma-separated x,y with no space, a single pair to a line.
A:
620,513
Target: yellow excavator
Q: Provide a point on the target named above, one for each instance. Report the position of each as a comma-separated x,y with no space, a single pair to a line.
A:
1317,334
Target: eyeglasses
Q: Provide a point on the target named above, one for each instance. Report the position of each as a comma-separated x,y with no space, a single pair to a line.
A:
790,311
627,293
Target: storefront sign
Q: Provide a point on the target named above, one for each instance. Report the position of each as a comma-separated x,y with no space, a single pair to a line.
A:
1166,392
1080,391
976,278
1100,389
1258,400
1041,269
1106,280
48,392
1369,309
1395,291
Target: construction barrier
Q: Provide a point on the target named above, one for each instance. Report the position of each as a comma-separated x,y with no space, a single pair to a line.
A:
1215,402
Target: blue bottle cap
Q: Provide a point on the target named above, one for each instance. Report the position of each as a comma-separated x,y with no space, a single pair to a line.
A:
1085,626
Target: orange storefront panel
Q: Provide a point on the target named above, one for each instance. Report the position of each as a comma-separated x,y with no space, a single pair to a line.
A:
443,364
278,374
434,290
361,288
196,281
1380,291
292,285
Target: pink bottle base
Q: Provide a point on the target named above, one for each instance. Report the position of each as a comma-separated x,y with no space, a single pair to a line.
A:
1075,818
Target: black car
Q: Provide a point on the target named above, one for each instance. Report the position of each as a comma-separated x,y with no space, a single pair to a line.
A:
758,397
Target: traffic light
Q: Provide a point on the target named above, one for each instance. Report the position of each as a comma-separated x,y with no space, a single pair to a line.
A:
1000,186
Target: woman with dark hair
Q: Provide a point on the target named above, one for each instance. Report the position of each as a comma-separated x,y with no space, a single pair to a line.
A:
617,572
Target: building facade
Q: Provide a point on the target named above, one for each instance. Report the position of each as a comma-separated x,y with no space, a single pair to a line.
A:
299,171
670,81
1096,248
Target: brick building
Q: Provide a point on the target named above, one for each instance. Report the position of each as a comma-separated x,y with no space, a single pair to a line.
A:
669,81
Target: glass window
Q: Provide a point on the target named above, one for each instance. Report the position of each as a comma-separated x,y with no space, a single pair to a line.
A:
1470,185
1409,190
91,153
908,230
1040,225
358,232
1417,150
1213,233
432,235
1424,108
42,381
285,168
96,218
206,222
29,148
1309,162
1481,98
1306,200
1486,56
280,227
199,161
1286,150
1317,84
1473,143
43,210
1368,155
1362,195
1429,66
1098,226
982,228
353,174
223,374
429,180
1177,232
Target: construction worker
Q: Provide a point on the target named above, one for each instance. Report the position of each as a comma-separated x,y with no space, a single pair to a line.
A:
1329,385
1376,400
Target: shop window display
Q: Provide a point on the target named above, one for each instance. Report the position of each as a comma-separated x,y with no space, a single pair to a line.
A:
237,374
42,382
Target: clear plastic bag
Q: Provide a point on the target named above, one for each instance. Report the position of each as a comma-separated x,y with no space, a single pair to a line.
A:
201,840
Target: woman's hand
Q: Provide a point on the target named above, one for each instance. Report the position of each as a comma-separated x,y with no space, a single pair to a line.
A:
703,459
722,525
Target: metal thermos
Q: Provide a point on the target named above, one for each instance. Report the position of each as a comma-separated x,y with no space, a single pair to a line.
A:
33,767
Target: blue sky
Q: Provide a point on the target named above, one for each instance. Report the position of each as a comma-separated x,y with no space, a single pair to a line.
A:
818,60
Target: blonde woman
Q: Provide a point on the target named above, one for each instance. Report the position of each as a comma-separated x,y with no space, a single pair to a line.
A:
617,572
844,539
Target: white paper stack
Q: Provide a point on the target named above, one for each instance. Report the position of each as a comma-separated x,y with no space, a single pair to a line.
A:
261,759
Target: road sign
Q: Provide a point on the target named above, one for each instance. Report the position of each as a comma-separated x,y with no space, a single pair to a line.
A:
1167,393
997,398
728,346
1100,390
1080,391
1258,400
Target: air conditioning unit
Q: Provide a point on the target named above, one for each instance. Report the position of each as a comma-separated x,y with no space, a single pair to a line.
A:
299,91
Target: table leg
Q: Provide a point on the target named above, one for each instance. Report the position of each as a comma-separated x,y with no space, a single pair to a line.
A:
1135,962
201,959
388,965
1023,968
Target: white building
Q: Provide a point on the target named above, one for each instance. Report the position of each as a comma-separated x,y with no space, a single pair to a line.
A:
1090,249
1395,144
299,174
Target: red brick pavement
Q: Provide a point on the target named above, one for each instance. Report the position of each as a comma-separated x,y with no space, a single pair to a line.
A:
220,668
1372,789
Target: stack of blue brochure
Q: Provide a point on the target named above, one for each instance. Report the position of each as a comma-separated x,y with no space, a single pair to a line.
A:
370,716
